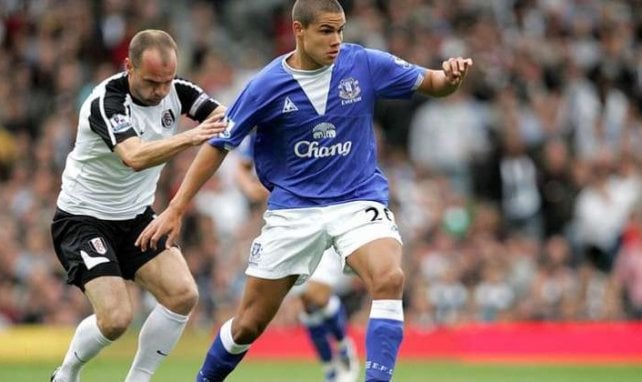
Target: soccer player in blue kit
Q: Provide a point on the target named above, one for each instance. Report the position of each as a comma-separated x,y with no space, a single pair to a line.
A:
315,152
324,315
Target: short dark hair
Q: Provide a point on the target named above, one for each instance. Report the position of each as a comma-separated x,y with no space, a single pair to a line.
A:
151,38
306,11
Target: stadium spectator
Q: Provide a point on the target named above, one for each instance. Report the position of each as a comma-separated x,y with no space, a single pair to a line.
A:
557,188
627,272
127,129
602,209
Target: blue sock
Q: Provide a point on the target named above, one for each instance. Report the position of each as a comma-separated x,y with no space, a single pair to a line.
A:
383,338
219,362
318,334
336,319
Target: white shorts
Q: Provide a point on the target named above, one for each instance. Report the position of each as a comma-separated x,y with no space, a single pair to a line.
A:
328,272
293,241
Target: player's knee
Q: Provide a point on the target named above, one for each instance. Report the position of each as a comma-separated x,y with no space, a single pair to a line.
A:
389,284
115,322
246,332
184,299
313,302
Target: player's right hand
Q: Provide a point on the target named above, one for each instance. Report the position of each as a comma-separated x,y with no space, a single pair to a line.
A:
455,69
213,125
167,223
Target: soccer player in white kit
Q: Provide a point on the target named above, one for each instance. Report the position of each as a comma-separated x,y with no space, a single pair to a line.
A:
324,316
315,151
127,130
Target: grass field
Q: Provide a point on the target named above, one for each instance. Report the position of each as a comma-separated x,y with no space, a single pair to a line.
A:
176,370
31,355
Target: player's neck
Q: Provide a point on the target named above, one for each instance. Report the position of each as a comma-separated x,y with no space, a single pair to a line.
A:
300,61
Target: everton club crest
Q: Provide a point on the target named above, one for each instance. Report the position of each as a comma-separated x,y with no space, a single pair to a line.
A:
349,91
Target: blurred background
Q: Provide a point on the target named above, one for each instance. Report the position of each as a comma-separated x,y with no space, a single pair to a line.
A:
518,197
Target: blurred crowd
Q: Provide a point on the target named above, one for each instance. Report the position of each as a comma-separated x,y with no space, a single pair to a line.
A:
518,197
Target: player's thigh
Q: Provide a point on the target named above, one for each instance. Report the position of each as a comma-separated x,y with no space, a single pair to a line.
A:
316,294
130,257
374,260
260,301
110,299
368,233
167,277
85,246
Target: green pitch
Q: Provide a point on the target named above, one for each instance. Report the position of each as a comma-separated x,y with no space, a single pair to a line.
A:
173,370
30,354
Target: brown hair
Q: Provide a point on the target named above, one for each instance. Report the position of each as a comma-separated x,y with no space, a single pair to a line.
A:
306,11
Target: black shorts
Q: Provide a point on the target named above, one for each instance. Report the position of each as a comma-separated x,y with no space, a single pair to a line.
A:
88,247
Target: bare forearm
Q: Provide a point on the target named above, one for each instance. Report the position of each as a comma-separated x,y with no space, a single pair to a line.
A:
140,155
150,154
440,83
206,162
436,84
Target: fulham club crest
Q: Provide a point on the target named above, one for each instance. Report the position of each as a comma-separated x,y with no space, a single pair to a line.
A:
98,245
168,119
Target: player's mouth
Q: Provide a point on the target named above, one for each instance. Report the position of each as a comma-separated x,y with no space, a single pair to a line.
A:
333,54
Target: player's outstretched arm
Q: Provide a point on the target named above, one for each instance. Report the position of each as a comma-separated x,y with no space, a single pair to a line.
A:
440,83
206,162
140,155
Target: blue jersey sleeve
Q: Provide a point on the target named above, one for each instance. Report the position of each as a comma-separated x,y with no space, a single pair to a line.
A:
394,77
242,117
246,148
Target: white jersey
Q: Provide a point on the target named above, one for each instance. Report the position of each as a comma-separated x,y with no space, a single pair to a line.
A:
95,181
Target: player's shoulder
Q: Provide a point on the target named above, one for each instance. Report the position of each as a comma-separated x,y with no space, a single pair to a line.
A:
352,47
271,71
352,50
271,76
352,53
179,82
114,87
116,83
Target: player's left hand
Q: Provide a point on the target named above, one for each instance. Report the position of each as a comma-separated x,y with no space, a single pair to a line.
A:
212,126
456,69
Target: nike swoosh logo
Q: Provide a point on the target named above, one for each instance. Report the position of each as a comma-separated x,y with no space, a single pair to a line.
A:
78,358
91,262
161,353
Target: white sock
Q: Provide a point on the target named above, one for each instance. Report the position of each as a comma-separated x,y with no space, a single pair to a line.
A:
87,342
332,307
311,319
156,340
228,341
387,309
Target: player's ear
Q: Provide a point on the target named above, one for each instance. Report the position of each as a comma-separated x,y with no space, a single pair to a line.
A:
128,65
297,28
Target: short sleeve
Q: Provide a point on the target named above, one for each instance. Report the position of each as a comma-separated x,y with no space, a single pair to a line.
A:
195,103
242,117
393,77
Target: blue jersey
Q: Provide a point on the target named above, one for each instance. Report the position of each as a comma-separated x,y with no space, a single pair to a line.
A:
246,148
315,143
